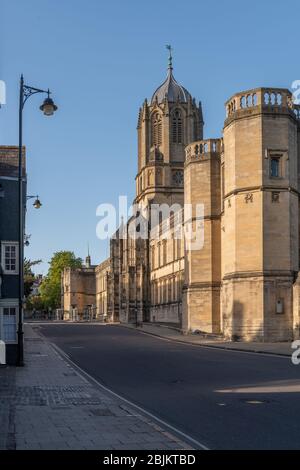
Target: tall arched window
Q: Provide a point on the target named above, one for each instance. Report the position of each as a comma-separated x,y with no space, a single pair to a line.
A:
156,134
164,254
177,134
152,257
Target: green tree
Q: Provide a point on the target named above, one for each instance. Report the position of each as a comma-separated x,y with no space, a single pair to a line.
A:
29,275
34,302
51,286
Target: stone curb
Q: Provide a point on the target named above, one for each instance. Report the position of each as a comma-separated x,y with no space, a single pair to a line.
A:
205,345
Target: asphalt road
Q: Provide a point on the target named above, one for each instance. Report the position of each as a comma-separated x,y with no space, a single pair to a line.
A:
224,399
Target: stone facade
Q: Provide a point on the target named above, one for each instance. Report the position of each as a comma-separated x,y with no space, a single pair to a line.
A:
103,294
241,279
260,222
79,292
203,276
166,272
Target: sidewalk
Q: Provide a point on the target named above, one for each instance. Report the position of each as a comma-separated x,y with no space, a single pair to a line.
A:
173,334
49,405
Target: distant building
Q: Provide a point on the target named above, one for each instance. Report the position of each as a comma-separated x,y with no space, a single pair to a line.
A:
78,292
244,281
9,243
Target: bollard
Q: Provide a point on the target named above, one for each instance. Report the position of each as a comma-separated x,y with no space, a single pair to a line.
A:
2,353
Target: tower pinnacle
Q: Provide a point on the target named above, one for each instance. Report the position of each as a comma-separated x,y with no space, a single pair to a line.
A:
88,262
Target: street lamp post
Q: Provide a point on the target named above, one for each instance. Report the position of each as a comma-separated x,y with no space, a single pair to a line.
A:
48,107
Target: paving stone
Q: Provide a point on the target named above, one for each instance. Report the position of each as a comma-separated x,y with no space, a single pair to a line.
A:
48,405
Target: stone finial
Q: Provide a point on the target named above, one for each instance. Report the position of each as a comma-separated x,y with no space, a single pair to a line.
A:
88,262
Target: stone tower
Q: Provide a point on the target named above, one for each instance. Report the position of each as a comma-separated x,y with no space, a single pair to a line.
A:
260,222
165,126
202,189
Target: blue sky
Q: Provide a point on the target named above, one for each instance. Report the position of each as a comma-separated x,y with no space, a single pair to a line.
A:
101,59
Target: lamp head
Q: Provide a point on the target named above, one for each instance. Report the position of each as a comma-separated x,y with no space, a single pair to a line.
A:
48,107
37,204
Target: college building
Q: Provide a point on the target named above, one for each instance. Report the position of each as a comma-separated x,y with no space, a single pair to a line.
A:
241,278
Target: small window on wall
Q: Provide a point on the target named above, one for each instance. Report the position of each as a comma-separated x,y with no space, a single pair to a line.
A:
278,163
153,257
9,324
275,167
9,257
164,246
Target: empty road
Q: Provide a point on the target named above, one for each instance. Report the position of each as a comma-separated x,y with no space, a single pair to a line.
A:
224,399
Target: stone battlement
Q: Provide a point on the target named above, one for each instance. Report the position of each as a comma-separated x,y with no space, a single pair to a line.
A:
202,148
267,100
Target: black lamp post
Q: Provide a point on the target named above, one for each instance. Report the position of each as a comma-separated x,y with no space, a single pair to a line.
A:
48,108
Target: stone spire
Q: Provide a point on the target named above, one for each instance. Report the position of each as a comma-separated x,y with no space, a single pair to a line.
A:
88,262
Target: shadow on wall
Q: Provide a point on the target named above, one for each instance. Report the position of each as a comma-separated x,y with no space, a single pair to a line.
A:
242,328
